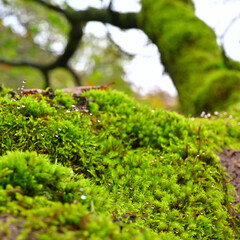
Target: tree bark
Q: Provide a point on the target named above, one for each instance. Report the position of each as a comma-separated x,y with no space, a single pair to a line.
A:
191,56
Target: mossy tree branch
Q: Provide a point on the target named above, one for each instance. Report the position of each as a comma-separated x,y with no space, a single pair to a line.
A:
191,56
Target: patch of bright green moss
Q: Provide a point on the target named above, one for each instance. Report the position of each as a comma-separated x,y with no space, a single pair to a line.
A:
133,172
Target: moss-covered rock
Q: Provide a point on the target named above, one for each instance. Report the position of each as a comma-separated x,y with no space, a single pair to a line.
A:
113,170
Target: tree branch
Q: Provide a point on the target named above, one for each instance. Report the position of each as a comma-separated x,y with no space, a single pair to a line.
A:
75,36
228,27
121,20
109,36
46,77
21,64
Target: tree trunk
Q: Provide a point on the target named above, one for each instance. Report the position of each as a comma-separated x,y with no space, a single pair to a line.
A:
191,56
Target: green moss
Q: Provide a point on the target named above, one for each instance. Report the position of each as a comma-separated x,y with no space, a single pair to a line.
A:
54,202
141,168
64,100
220,91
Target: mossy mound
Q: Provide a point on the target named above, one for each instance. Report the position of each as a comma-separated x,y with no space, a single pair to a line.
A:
112,170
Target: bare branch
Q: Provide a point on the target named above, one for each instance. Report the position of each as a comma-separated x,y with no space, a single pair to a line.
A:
75,36
228,27
46,77
109,35
110,5
43,69
121,20
21,64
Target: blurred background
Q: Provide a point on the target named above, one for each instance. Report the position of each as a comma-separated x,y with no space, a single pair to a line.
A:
106,54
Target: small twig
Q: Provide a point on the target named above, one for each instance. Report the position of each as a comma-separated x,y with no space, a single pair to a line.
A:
110,5
15,190
228,27
109,36
74,90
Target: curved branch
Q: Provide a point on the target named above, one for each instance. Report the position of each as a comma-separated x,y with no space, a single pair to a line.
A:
21,64
109,36
228,27
75,36
43,69
122,20
46,77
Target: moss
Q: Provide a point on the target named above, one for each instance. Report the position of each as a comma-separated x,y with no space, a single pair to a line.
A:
116,170
220,91
52,202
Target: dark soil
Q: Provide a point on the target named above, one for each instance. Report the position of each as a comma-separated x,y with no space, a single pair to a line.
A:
230,160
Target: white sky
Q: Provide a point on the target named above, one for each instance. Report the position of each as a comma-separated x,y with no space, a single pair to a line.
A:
218,15
145,70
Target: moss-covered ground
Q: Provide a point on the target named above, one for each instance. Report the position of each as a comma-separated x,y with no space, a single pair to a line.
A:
113,170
